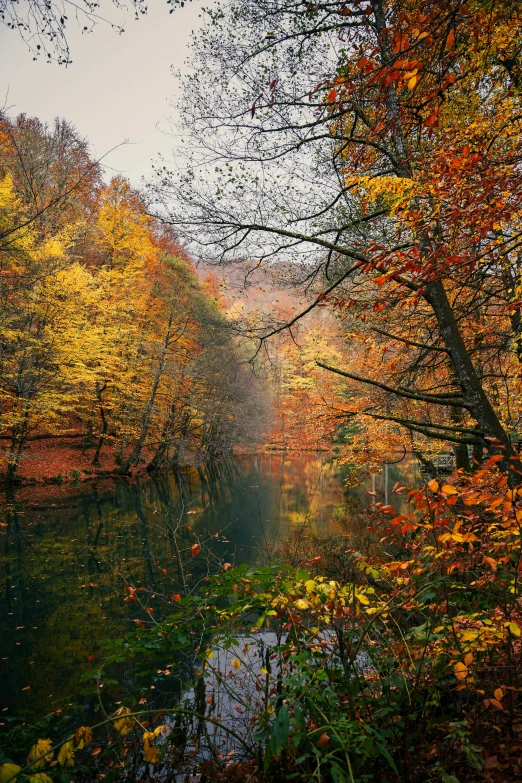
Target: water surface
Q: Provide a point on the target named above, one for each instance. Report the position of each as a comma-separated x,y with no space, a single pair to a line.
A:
67,554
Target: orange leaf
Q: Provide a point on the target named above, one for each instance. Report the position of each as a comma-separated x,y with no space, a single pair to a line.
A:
433,485
492,460
461,670
468,659
324,739
499,694
496,704
450,40
448,489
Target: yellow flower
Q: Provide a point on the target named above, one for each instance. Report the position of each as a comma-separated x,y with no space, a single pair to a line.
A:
236,664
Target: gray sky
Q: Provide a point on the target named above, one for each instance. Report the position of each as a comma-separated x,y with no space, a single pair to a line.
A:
118,86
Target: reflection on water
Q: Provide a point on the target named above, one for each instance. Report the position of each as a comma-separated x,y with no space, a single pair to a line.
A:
67,552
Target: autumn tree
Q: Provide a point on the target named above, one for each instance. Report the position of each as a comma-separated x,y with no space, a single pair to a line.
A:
107,331
378,146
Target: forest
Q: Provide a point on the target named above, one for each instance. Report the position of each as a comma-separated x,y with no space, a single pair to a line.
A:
320,291
109,338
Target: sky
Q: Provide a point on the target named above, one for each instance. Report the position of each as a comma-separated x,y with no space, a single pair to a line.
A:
118,87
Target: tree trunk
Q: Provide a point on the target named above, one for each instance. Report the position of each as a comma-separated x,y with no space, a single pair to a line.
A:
136,452
473,393
105,422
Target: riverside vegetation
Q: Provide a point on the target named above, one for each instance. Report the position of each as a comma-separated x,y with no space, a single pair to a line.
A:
398,663
368,152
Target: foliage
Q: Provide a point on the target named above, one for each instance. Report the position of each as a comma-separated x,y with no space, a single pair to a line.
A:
108,333
374,149
391,673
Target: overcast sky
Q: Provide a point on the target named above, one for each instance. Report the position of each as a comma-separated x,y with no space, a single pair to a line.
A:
118,86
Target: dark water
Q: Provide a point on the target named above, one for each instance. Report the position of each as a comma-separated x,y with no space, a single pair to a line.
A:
67,553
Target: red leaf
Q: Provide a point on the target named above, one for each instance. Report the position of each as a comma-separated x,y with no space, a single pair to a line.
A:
196,549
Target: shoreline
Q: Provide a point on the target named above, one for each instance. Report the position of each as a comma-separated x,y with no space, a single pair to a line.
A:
53,462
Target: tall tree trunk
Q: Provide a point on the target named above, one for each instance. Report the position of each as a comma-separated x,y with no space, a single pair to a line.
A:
105,422
136,452
18,438
435,294
473,393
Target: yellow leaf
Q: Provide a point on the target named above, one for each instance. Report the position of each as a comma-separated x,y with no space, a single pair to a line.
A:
448,489
461,670
499,694
362,598
433,485
163,729
310,586
412,82
124,725
302,604
7,771
82,738
66,755
236,664
514,628
40,777
38,755
150,751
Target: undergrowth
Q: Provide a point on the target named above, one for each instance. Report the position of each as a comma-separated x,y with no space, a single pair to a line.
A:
399,663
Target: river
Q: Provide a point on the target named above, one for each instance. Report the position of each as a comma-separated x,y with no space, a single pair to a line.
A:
67,554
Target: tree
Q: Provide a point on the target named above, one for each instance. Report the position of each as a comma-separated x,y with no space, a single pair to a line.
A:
43,23
379,147
107,332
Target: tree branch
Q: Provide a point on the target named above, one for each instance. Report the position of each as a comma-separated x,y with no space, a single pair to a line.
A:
400,391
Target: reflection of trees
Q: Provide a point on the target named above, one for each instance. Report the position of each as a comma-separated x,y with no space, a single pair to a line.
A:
70,557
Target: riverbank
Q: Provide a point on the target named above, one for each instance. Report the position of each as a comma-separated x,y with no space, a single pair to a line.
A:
61,461
56,461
